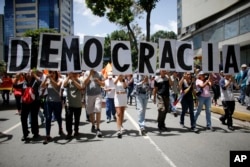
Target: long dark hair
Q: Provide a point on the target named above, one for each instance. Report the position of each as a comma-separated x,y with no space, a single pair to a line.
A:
56,75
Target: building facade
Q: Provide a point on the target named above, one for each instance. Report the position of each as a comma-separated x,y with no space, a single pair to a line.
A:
23,15
225,22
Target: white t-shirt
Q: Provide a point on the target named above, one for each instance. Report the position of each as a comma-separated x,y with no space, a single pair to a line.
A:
109,84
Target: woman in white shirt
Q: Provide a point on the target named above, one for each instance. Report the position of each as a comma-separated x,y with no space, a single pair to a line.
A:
120,101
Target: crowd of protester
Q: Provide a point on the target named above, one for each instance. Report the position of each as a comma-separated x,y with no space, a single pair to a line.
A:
74,91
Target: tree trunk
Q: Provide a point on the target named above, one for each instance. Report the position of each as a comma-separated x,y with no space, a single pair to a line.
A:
134,38
148,25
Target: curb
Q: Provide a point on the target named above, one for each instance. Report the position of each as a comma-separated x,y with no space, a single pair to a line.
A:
237,114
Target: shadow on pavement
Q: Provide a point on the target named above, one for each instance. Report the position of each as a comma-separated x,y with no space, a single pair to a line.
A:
5,137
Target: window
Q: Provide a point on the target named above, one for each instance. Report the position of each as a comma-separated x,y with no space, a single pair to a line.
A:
197,39
245,24
25,23
26,8
25,15
231,28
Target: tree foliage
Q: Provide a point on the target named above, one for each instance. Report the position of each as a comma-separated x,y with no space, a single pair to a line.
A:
2,66
164,35
120,35
121,12
35,35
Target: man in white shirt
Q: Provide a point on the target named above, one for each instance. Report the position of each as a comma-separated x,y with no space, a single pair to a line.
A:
109,87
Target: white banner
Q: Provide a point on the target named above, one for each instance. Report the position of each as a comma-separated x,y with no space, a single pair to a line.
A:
19,57
93,51
210,57
147,58
167,54
121,57
50,52
71,59
185,54
63,54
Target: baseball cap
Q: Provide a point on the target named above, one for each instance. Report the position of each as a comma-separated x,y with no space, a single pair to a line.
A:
201,73
244,66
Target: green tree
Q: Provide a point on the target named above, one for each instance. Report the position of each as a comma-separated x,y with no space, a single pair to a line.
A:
2,67
120,35
164,35
35,35
121,12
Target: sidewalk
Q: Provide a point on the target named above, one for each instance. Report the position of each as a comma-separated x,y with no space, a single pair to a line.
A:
240,111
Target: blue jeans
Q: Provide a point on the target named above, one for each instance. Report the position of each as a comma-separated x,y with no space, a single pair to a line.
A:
187,104
242,94
129,97
207,102
172,98
110,107
142,101
56,108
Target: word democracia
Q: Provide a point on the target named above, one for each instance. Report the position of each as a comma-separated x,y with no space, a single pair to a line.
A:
62,53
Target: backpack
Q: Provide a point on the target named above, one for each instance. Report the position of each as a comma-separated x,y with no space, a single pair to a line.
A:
28,95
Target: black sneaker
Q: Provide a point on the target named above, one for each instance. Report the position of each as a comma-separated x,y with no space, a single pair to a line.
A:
143,132
195,130
163,128
36,136
98,133
93,130
47,139
231,128
248,107
119,134
24,138
76,134
175,114
68,136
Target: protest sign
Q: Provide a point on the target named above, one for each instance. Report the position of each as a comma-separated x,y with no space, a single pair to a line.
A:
19,57
121,57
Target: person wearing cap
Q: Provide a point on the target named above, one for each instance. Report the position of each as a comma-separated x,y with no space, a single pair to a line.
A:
109,87
241,80
227,98
204,98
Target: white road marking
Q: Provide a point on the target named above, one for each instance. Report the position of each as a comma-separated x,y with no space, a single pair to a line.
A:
167,159
12,128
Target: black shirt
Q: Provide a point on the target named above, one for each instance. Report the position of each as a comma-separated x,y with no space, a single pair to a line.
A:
163,86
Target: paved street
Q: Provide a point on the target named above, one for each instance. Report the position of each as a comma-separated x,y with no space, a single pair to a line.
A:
176,147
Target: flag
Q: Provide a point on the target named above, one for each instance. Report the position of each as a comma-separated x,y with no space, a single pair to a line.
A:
178,99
